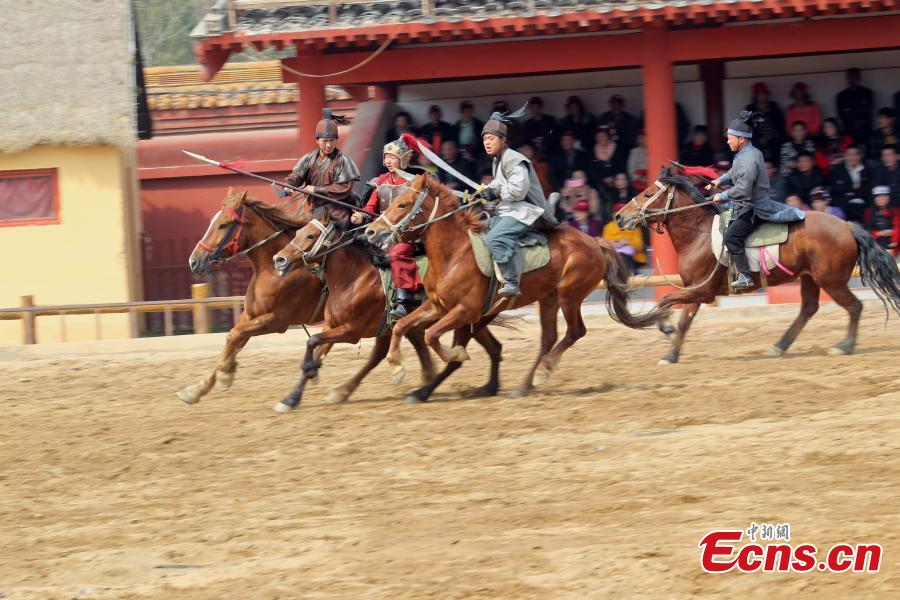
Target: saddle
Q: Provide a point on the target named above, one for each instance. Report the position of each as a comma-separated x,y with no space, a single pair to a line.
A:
763,242
532,254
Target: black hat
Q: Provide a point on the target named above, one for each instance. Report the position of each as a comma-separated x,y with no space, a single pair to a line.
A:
741,127
496,125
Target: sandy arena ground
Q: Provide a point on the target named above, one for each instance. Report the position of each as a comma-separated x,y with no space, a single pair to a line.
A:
599,485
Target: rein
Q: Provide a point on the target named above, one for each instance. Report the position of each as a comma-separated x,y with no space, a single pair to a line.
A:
238,223
398,229
645,213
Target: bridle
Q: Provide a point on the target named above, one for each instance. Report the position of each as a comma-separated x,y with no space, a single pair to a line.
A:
233,240
645,213
322,241
398,229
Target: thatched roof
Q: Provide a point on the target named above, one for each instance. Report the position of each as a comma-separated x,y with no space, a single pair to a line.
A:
67,74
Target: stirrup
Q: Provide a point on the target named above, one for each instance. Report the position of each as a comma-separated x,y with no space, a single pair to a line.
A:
742,282
510,289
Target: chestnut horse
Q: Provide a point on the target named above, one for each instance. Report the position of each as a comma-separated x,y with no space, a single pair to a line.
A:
457,289
244,226
821,251
356,305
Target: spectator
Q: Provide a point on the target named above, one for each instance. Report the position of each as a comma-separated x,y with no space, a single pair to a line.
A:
803,108
539,130
567,160
621,193
540,167
436,131
402,124
777,182
832,144
769,133
637,158
850,184
883,221
888,173
575,188
683,123
624,123
606,159
466,166
582,219
698,152
885,134
467,132
580,121
820,200
795,201
805,177
799,142
628,243
855,105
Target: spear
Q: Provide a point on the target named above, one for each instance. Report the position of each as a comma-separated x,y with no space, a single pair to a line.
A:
225,165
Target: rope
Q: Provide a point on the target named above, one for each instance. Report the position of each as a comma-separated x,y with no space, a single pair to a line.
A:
363,63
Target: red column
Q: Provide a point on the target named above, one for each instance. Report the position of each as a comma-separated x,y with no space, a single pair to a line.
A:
712,72
384,92
309,110
661,127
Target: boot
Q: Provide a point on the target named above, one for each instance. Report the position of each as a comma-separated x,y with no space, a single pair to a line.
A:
406,303
511,287
744,279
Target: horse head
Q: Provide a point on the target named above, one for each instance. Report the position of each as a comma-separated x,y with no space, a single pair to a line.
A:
409,209
316,236
223,236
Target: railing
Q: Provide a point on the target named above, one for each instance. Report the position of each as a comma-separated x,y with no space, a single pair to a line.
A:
200,304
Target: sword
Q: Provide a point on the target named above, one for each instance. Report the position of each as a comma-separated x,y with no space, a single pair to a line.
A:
225,165
437,160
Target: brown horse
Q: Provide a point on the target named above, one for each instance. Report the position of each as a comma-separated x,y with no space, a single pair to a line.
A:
457,289
821,250
356,305
244,226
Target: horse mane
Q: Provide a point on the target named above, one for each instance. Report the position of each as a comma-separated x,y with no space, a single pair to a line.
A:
275,216
684,184
470,218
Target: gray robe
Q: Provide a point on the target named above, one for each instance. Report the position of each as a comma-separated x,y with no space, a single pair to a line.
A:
506,162
751,189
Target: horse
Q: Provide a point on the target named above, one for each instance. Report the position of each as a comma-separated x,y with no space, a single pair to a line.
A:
457,289
250,227
356,306
820,250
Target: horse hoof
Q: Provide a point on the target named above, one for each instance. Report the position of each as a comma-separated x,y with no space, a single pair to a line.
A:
541,375
413,399
518,394
283,408
337,397
481,392
189,395
665,361
398,374
776,351
224,381
458,354
838,351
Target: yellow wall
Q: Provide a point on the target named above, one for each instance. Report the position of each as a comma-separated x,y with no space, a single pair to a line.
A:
83,259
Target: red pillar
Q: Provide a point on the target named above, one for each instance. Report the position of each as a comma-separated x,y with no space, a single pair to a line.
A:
385,92
712,72
309,110
661,127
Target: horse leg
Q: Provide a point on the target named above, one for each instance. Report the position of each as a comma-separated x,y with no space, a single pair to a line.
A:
548,308
458,316
688,312
416,337
494,349
343,391
575,330
809,305
428,312
237,338
422,394
316,347
843,296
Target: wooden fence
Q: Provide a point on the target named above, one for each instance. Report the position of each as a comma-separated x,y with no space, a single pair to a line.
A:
200,305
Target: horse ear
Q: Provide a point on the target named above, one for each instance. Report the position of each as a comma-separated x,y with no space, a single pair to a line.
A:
229,193
243,197
663,172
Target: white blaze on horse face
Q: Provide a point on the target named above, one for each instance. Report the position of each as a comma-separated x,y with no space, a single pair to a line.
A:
212,222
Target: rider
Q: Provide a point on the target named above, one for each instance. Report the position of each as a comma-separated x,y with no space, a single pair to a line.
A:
388,186
325,170
750,195
516,196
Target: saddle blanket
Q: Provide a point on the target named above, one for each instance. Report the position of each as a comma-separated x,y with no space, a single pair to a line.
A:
533,254
765,240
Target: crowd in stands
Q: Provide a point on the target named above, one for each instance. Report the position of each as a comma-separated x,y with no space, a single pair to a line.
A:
841,160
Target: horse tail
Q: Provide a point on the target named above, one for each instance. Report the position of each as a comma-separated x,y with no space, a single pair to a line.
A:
618,289
877,269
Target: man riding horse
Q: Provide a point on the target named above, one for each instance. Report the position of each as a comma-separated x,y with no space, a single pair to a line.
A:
325,170
750,196
387,187
516,198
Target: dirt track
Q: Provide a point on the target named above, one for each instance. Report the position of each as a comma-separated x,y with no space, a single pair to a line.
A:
600,484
